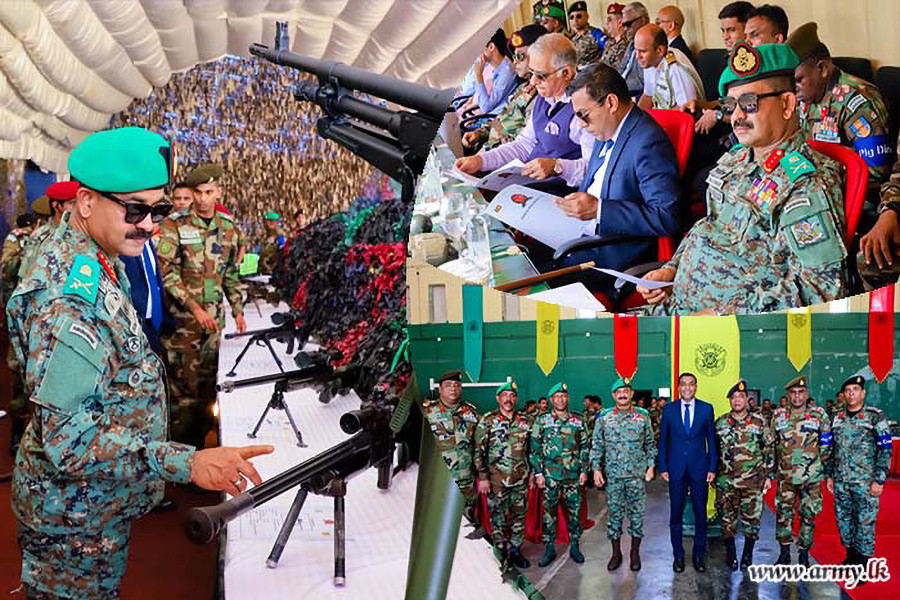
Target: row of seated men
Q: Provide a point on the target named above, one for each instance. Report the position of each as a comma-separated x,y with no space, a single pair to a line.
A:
775,232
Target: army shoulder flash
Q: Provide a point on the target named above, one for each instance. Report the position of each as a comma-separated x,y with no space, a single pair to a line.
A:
796,165
84,279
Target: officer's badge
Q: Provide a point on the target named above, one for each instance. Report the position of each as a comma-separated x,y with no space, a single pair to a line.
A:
808,231
796,165
546,10
84,279
745,60
710,359
517,40
861,128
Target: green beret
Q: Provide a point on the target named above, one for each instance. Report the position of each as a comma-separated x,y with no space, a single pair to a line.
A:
41,206
620,383
740,386
857,380
204,174
450,376
796,382
272,216
509,386
552,10
804,41
559,387
746,64
129,159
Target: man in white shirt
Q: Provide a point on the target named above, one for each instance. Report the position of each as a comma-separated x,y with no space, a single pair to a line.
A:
670,80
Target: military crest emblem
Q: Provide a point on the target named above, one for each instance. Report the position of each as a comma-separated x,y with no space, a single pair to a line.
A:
548,327
745,60
710,359
861,127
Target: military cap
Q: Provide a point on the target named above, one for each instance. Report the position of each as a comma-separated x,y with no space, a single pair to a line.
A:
124,160
796,382
509,386
746,64
204,174
577,6
41,206
555,11
804,41
855,380
559,387
62,191
527,35
620,383
740,386
272,216
450,376
615,9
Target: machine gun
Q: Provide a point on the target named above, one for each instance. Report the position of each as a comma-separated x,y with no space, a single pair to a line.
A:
318,374
400,149
375,429
285,331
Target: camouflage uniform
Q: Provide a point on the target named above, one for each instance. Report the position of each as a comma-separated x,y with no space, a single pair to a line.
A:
454,433
270,251
587,51
772,238
655,420
623,448
501,448
873,276
507,125
198,265
802,447
862,454
15,246
95,455
33,250
559,452
746,460
614,53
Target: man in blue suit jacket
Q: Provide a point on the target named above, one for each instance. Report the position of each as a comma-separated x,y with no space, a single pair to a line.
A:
630,185
687,460
146,293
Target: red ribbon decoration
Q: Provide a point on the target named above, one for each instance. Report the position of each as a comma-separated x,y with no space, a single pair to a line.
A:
625,344
881,332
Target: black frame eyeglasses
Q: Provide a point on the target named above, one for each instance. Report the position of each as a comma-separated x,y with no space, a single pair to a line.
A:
135,212
748,102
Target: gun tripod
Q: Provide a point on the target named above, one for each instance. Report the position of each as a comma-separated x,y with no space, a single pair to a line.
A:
276,402
337,488
257,338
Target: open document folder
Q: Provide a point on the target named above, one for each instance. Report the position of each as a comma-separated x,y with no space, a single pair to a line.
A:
535,214
507,175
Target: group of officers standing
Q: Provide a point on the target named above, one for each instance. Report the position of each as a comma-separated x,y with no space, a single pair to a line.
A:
505,452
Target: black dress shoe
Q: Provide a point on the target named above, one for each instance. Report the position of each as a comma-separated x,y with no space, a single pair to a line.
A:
165,505
699,565
678,565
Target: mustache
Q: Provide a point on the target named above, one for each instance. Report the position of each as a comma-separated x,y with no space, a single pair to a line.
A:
139,234
742,123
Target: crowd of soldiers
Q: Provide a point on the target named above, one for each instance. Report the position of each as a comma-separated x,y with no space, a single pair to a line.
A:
794,447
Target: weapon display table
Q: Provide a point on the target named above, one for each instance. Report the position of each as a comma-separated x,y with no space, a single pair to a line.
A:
378,524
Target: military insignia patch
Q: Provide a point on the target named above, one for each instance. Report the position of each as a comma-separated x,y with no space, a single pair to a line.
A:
516,40
795,203
796,165
861,128
856,102
548,327
84,279
546,10
165,248
808,231
710,359
745,60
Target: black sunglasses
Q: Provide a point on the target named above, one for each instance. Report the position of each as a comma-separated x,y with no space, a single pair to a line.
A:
135,212
748,102
628,24
543,76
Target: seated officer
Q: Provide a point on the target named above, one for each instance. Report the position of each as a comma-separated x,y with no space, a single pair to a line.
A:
670,80
772,235
878,260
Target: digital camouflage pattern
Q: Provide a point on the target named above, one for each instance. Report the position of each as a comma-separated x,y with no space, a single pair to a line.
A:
771,239
33,250
509,123
614,52
559,451
862,455
623,449
14,248
198,263
587,50
746,461
454,433
94,456
872,275
803,444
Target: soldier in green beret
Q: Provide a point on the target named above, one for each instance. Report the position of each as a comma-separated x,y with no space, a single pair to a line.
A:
198,257
501,464
745,472
559,461
802,446
95,456
452,421
272,244
858,469
773,235
623,455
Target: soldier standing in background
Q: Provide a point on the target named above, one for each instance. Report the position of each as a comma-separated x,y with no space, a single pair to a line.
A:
623,449
802,446
559,461
858,469
198,259
271,246
745,473
501,462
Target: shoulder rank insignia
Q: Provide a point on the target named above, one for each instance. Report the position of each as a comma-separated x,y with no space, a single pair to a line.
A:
772,160
796,165
84,279
670,58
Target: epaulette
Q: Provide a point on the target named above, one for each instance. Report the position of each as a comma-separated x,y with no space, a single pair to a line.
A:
83,279
874,410
796,165
670,58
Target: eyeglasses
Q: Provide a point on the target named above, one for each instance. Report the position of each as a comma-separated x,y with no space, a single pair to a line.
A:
520,56
543,76
135,212
628,24
586,117
748,102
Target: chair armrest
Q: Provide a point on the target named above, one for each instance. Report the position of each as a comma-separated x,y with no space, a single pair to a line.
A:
593,241
458,101
466,124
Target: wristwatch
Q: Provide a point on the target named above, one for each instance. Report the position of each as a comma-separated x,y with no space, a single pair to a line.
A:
719,115
557,167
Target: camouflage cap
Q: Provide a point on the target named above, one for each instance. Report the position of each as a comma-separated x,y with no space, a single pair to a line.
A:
804,41
559,387
555,11
450,376
272,216
855,380
62,191
577,6
527,35
740,386
41,206
796,382
620,383
204,173
124,160
509,386
746,64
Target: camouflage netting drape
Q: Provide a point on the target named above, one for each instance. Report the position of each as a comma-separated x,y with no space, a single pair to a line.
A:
241,112
12,184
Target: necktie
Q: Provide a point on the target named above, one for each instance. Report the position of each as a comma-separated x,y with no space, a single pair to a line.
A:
687,418
602,151
153,292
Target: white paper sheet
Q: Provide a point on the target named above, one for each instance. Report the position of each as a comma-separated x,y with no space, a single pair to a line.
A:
574,295
507,175
650,285
535,213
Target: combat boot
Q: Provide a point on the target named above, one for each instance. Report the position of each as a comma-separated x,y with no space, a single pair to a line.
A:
731,554
616,559
803,557
863,560
549,555
851,558
747,554
784,557
575,553
635,559
516,558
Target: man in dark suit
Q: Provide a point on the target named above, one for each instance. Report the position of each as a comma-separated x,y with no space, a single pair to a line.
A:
670,19
146,293
630,185
687,460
